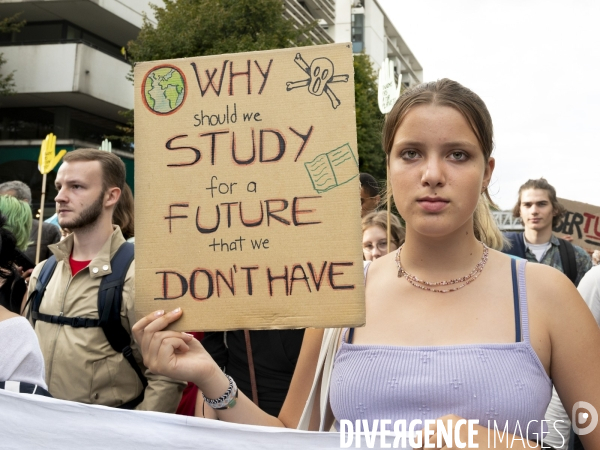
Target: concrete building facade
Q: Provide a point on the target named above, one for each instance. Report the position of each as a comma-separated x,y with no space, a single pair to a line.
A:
365,24
71,75
70,79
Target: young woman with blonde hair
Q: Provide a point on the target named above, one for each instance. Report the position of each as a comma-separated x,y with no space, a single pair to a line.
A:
454,329
375,241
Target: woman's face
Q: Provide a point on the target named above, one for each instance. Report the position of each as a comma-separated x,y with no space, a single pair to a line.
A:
438,171
375,243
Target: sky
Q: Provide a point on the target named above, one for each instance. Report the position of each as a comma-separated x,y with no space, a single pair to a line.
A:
536,64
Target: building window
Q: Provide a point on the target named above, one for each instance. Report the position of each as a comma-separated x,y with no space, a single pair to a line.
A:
35,33
358,33
65,122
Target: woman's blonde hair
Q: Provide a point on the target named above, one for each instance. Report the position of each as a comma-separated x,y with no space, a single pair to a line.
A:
379,219
446,92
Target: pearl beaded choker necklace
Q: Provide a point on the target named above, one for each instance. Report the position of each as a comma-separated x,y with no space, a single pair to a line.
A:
425,285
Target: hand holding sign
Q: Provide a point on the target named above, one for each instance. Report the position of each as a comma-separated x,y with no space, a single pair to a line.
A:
388,92
250,184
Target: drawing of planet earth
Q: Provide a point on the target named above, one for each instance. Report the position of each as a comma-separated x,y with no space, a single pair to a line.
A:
164,89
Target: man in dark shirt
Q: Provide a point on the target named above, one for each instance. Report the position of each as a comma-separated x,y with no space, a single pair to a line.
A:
540,211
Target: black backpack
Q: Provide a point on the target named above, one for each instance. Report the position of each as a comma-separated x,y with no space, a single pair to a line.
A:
516,247
109,309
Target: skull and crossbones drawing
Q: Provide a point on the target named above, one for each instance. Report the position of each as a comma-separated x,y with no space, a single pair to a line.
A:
320,75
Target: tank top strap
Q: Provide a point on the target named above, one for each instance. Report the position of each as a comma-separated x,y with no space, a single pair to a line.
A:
516,296
524,313
349,332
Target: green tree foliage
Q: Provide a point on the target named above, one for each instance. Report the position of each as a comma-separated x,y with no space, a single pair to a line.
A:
187,28
369,119
8,25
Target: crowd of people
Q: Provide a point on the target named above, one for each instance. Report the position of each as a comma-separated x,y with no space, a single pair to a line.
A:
462,321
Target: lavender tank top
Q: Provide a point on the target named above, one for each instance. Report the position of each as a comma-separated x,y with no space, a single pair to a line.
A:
505,383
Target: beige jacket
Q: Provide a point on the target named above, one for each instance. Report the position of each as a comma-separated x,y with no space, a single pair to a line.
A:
81,365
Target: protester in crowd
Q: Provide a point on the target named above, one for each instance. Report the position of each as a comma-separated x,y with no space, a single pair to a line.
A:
20,356
50,233
369,194
374,228
17,220
453,328
539,210
81,362
124,214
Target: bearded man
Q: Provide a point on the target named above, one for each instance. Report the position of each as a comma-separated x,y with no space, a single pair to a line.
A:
81,365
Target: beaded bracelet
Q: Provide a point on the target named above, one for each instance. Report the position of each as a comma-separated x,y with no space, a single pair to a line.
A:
225,401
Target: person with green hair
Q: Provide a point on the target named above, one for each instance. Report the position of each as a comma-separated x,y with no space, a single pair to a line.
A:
18,219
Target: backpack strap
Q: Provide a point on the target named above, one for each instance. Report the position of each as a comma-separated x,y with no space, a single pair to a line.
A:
35,299
109,309
515,245
110,296
567,258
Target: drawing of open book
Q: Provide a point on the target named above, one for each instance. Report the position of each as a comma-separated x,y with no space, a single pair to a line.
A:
332,169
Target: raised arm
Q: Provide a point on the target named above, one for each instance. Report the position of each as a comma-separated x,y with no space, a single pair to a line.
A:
180,356
162,394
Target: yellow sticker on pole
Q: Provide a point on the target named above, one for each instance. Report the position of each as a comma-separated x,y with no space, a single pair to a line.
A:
48,160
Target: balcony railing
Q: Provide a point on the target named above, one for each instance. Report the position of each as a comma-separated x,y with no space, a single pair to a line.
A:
506,221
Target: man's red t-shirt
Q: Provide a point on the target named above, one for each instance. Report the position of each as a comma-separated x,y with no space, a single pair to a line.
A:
76,266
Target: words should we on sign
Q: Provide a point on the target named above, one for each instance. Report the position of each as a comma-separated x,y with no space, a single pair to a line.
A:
247,190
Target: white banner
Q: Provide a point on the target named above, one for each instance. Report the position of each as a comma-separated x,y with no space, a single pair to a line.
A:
32,421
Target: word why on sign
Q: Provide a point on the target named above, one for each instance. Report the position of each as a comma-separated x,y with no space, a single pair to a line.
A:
203,283
267,153
211,77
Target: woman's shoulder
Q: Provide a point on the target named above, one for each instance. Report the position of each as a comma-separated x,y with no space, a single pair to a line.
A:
548,281
551,294
379,265
5,314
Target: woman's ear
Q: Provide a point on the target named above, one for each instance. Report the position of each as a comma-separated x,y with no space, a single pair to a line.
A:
489,170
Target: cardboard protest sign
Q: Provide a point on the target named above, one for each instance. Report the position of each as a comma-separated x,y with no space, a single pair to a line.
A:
247,190
582,222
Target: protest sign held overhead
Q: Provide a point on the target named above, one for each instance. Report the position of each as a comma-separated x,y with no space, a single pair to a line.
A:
247,205
582,223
